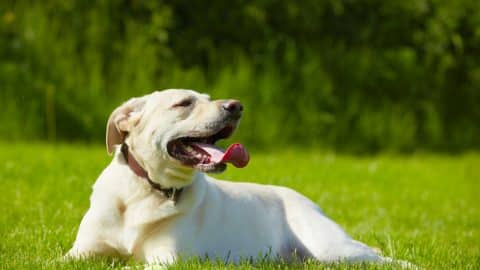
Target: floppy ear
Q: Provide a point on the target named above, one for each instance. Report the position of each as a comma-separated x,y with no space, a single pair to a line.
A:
122,120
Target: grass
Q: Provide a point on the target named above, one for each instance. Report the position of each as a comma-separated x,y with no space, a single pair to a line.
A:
422,208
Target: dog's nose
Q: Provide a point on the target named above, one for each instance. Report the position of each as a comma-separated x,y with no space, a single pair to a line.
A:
232,106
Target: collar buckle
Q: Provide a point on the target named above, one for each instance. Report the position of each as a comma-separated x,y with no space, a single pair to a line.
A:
171,193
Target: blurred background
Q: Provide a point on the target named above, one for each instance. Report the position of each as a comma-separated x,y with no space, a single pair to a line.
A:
354,76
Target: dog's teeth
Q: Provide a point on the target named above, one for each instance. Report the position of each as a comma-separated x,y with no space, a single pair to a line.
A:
205,159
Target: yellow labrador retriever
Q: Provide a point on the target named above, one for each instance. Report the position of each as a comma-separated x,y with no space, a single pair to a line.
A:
154,201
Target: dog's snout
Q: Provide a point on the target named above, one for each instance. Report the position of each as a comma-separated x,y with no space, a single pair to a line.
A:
232,106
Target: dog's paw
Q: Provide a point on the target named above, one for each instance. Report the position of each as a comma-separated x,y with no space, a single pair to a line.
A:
156,267
71,255
75,254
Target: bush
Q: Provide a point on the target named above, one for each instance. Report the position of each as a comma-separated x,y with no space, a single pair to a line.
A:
357,76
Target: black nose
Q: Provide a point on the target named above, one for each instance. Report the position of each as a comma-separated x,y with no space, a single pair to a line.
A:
232,106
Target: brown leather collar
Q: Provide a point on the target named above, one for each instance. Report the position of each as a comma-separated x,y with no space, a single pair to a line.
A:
171,193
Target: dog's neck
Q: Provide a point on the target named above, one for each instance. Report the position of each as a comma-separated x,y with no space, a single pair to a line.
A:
169,175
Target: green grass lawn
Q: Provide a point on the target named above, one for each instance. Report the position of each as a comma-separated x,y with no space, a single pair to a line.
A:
422,208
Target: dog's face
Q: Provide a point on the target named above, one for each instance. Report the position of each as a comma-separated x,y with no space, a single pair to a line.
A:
178,127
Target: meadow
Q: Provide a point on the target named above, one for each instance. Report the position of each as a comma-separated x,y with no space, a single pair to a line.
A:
391,85
422,208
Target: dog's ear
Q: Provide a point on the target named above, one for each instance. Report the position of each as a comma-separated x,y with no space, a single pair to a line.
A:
122,120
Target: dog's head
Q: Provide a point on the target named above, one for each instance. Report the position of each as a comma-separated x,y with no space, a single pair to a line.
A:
177,129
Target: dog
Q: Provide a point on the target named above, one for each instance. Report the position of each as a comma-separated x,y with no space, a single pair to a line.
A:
155,202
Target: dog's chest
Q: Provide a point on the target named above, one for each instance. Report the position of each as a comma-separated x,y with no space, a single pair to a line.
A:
143,215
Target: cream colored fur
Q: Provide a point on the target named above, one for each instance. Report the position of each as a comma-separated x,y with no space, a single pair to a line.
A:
213,218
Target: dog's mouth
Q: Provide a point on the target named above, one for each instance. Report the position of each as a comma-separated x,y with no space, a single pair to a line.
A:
201,152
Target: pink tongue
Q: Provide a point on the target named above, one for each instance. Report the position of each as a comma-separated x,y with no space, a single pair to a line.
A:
235,154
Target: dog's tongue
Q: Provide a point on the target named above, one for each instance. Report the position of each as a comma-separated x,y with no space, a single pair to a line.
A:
235,154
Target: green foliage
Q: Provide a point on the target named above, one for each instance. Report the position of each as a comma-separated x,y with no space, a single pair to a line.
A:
352,75
433,223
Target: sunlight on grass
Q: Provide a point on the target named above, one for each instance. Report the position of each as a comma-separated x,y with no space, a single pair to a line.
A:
422,208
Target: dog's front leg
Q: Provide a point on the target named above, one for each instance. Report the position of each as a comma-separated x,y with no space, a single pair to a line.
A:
99,233
160,257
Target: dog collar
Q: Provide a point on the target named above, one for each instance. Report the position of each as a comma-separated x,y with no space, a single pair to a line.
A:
171,193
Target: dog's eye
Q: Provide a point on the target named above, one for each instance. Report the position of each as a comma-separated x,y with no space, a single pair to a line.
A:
184,103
